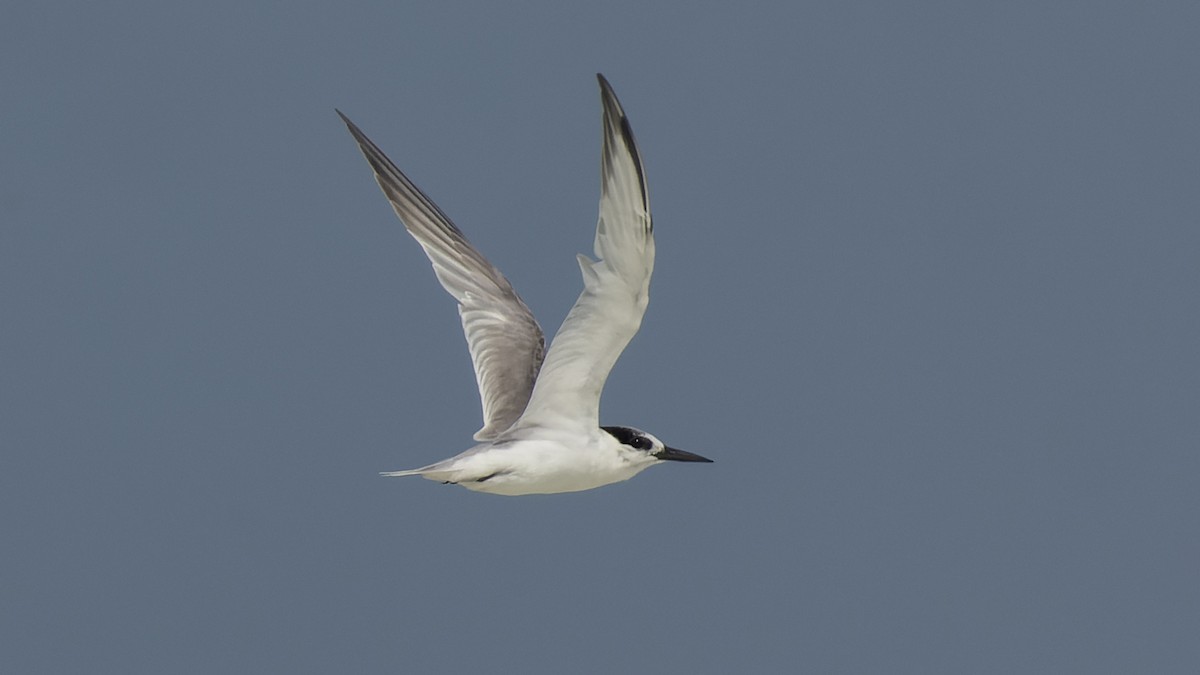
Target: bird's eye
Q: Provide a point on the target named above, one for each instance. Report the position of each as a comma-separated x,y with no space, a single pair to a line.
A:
642,443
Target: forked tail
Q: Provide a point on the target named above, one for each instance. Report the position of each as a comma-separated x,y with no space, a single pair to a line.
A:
410,472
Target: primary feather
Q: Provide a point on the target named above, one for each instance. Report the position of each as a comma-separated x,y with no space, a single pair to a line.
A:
504,339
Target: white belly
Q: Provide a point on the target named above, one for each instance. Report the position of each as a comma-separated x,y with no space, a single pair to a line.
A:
534,467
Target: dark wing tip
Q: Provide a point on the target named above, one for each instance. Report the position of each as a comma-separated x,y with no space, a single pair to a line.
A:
378,160
345,119
396,186
354,129
616,123
604,85
612,106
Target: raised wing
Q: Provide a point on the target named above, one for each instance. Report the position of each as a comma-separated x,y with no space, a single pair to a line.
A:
505,340
615,288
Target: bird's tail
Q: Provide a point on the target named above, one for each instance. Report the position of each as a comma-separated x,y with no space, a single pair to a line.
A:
432,472
410,472
439,471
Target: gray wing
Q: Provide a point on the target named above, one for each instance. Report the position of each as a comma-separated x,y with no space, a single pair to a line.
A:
616,288
505,340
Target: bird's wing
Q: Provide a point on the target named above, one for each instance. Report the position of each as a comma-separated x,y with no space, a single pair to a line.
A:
615,288
505,340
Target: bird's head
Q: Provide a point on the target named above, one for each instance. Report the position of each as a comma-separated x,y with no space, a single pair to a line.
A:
644,444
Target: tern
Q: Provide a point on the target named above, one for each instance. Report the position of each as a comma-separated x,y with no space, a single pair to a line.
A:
541,409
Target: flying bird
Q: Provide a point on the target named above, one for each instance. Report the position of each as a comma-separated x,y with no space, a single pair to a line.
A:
541,409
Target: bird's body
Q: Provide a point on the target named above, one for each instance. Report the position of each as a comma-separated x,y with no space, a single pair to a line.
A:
538,461
541,430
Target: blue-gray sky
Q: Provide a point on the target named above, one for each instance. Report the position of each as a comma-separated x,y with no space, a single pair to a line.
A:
926,291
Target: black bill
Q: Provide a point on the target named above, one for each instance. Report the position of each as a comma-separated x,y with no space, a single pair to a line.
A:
674,455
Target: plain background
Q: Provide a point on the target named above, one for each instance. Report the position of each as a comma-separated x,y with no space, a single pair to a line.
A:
926,291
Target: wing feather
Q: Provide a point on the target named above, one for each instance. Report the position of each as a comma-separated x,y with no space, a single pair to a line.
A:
615,288
504,339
